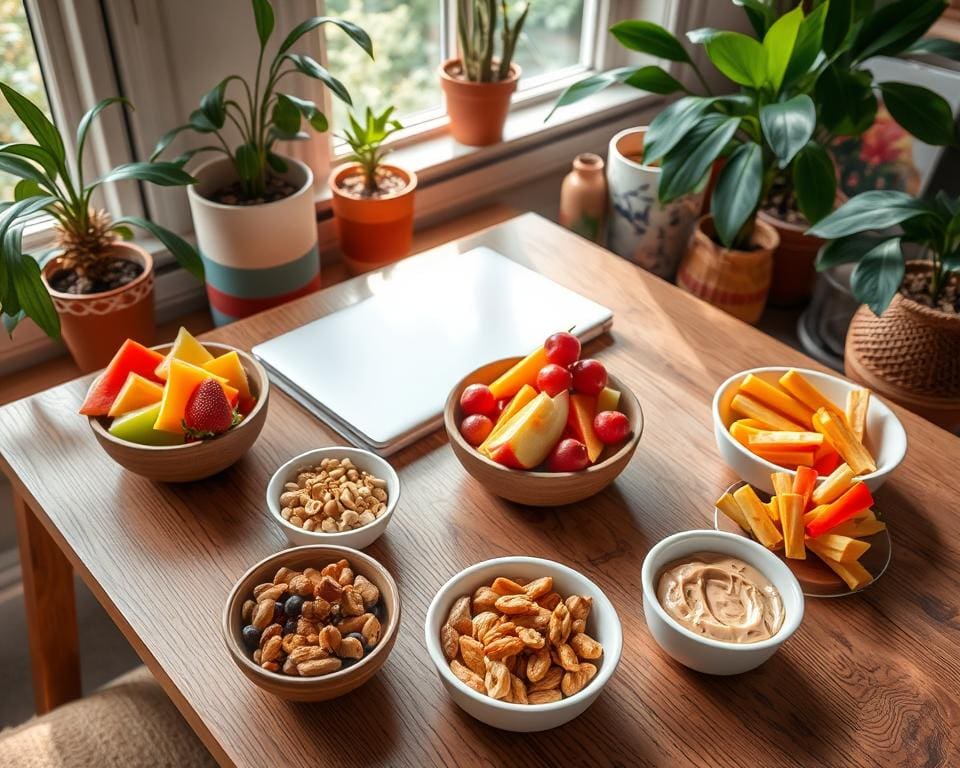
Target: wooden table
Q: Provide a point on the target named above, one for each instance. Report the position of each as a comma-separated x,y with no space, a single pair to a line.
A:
872,680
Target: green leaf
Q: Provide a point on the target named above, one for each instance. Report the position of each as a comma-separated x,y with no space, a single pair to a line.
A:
740,58
10,322
847,104
36,153
185,254
20,210
778,44
809,42
123,232
876,209
760,14
951,263
247,161
39,125
894,27
591,85
836,26
687,163
788,126
212,103
32,294
647,37
671,125
925,114
948,49
286,115
814,182
21,169
200,123
737,193
263,15
318,121
87,120
878,275
312,69
277,163
700,36
26,188
655,80
355,33
167,139
846,250
162,174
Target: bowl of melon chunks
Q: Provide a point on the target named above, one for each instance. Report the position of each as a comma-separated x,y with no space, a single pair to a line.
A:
768,420
544,430
178,412
827,532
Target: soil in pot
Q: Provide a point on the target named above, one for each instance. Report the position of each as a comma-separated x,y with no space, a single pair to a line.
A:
916,286
276,189
105,274
388,183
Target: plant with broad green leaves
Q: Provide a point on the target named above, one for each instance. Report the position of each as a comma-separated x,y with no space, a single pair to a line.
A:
932,225
802,81
366,143
477,30
267,115
53,185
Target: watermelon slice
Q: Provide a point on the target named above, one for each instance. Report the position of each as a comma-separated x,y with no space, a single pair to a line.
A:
132,357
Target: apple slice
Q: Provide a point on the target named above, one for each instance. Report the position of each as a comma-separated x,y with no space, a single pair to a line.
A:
608,400
583,409
517,402
527,439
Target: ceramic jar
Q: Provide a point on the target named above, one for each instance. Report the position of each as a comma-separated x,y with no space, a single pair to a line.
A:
255,256
640,228
583,198
94,325
477,111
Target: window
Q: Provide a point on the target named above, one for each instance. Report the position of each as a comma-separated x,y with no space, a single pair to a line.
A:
19,68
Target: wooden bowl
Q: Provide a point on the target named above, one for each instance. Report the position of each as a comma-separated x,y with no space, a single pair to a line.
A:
324,687
540,489
192,461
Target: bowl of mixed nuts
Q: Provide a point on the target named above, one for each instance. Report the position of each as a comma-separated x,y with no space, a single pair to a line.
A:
523,644
336,495
312,623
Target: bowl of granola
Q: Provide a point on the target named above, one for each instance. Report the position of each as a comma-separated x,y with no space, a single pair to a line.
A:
521,643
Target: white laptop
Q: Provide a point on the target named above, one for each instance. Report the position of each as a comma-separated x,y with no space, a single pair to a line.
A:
379,371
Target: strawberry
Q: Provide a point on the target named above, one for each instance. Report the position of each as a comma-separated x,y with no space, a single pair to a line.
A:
208,412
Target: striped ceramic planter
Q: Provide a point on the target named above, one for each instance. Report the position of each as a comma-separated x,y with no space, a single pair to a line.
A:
255,256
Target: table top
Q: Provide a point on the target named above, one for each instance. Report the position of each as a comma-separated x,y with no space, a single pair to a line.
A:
867,680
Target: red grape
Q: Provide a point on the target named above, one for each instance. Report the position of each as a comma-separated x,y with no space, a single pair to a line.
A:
562,348
553,379
611,427
589,376
568,456
475,429
477,398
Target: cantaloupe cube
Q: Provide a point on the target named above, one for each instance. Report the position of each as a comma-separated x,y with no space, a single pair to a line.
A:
608,400
182,379
187,348
776,398
524,372
136,392
230,367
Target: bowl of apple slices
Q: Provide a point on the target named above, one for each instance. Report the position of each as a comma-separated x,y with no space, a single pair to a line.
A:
544,430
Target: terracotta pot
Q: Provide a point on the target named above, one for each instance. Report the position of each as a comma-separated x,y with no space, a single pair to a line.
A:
373,232
94,325
583,198
735,281
911,355
794,270
255,256
649,233
477,111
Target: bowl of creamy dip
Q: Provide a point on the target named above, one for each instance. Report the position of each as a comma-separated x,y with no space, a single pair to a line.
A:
717,602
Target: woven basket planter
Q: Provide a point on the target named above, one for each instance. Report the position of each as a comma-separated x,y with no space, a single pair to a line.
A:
911,355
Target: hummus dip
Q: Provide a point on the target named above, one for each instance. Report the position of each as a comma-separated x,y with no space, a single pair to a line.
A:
720,597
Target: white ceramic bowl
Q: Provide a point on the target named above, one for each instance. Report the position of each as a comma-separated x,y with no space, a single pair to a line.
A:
701,653
885,437
603,625
364,460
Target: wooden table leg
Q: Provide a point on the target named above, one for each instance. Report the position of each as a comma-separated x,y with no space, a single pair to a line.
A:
51,612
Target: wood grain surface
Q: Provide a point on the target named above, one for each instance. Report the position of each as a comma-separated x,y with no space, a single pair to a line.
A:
871,680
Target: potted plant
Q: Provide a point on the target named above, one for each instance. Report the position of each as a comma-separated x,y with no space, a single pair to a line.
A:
801,83
91,287
478,85
372,201
904,342
253,209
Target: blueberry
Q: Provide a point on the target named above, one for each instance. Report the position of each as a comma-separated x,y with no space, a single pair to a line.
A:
293,606
278,615
251,637
359,637
290,628
344,663
378,611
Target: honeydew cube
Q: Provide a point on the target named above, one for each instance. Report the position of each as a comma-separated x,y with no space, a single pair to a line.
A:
137,427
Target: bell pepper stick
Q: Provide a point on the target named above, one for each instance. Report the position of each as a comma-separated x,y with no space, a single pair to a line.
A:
826,463
836,483
777,399
858,401
789,459
804,482
856,499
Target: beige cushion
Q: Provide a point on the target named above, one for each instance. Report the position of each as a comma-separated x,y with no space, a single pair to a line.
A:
129,724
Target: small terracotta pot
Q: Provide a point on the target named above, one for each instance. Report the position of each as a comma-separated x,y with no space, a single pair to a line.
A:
794,270
735,281
583,198
477,111
373,232
910,354
94,325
